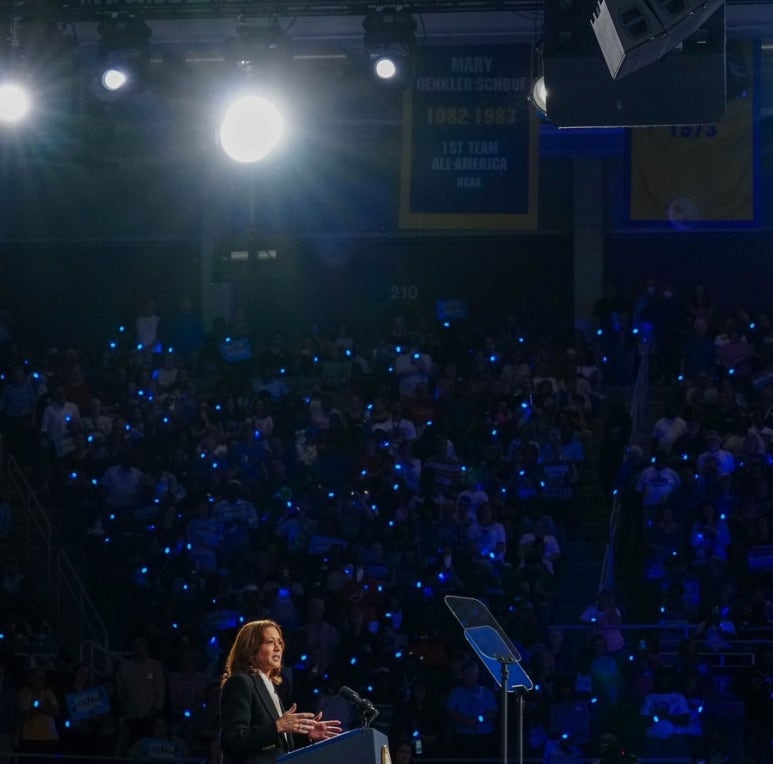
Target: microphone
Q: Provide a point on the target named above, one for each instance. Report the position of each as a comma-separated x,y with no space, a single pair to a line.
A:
353,697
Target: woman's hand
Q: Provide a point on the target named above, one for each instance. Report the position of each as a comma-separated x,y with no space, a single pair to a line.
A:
295,723
322,730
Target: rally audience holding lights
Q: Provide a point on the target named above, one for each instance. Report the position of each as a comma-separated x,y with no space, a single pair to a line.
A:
214,496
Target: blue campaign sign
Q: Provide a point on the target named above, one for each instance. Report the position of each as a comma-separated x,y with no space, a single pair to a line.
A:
88,703
469,152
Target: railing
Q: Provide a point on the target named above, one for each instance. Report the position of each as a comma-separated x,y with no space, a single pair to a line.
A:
37,526
71,596
63,585
103,662
638,403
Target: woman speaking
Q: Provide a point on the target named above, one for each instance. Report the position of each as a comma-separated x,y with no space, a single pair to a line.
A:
255,729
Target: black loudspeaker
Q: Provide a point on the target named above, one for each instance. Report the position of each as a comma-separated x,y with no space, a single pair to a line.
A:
685,86
634,33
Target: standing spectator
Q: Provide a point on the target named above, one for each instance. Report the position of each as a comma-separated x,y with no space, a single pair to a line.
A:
667,328
9,714
666,716
725,463
668,429
412,368
186,333
700,306
122,482
39,708
146,327
238,518
17,415
187,691
396,428
709,535
615,437
655,484
610,317
487,536
605,619
569,714
472,709
698,353
322,638
60,421
159,745
140,691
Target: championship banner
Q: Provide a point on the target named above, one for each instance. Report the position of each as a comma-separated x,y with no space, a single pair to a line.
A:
469,158
695,174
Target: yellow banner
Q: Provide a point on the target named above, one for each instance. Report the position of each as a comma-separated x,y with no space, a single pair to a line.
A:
699,173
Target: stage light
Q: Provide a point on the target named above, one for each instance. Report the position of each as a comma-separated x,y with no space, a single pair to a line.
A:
260,50
390,44
251,128
123,53
538,96
114,79
253,124
15,103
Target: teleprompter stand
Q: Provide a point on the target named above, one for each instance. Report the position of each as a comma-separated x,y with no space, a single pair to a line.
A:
498,655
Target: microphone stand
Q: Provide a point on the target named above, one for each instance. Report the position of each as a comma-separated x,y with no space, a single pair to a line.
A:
367,715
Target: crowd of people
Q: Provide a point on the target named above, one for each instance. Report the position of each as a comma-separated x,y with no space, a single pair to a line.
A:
341,488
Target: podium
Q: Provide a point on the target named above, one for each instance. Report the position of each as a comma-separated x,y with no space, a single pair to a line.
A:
360,746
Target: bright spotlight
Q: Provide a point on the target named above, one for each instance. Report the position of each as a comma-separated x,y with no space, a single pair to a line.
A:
113,79
251,128
15,103
390,43
385,68
539,95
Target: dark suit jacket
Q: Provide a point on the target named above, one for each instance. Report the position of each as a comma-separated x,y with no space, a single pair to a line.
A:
248,723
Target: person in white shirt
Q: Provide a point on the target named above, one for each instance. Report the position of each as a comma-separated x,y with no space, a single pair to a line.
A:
668,429
657,482
724,459
488,535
